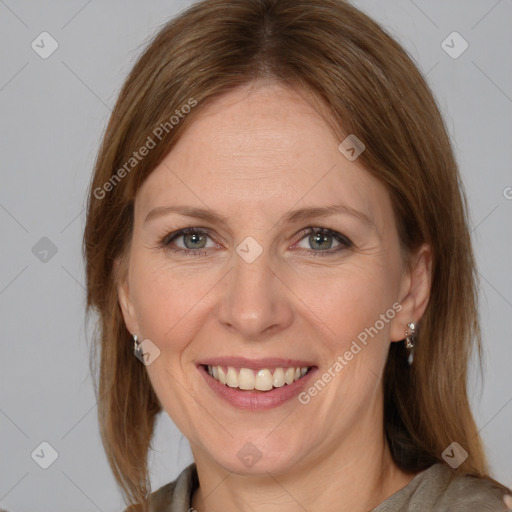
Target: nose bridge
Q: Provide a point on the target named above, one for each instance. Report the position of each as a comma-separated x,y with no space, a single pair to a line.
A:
255,299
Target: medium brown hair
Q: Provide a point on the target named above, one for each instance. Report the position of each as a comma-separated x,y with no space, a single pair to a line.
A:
371,88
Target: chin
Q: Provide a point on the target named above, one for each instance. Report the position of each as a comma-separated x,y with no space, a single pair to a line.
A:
244,457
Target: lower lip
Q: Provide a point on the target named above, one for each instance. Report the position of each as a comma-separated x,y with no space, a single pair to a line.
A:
256,401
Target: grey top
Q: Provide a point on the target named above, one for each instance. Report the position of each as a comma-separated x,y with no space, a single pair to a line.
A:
436,489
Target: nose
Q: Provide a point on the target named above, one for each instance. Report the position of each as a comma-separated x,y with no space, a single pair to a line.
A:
256,301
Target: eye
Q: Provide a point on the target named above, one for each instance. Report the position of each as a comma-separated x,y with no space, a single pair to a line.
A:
321,241
194,239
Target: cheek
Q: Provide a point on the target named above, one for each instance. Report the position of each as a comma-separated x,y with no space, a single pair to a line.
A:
168,302
173,302
349,300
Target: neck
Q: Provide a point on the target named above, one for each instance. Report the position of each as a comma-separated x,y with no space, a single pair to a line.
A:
354,475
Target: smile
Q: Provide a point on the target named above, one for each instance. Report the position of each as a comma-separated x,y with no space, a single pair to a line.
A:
263,379
256,384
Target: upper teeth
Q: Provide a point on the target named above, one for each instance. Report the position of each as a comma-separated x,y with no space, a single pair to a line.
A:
262,380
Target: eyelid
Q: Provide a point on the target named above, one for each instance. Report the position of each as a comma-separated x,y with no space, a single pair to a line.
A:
165,242
184,231
311,230
343,240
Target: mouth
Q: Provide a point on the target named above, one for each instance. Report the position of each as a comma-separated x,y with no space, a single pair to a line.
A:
262,379
256,385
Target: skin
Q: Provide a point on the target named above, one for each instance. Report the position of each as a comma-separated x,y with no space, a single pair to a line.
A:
253,155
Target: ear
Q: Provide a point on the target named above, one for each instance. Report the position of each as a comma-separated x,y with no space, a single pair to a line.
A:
414,292
123,295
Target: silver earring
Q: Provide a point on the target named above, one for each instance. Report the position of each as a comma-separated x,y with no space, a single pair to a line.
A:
409,340
137,347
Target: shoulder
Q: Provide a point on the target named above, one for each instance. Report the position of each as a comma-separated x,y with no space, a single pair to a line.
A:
162,498
441,489
467,492
175,494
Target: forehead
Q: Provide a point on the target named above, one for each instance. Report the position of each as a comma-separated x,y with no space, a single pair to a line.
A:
262,146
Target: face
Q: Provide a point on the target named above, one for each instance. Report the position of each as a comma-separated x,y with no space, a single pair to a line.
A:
261,283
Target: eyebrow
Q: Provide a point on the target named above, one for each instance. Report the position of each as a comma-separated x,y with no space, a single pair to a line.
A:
294,216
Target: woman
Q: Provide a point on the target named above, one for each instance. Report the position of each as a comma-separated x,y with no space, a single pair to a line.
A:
276,226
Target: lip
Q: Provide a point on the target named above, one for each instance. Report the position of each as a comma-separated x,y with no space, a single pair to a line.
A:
255,400
255,364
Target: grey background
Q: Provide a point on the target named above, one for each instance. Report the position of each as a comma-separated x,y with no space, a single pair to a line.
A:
53,113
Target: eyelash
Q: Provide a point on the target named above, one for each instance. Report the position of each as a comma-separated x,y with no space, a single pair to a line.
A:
167,239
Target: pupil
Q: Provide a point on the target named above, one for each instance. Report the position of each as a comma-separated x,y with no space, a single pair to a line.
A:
319,238
196,237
